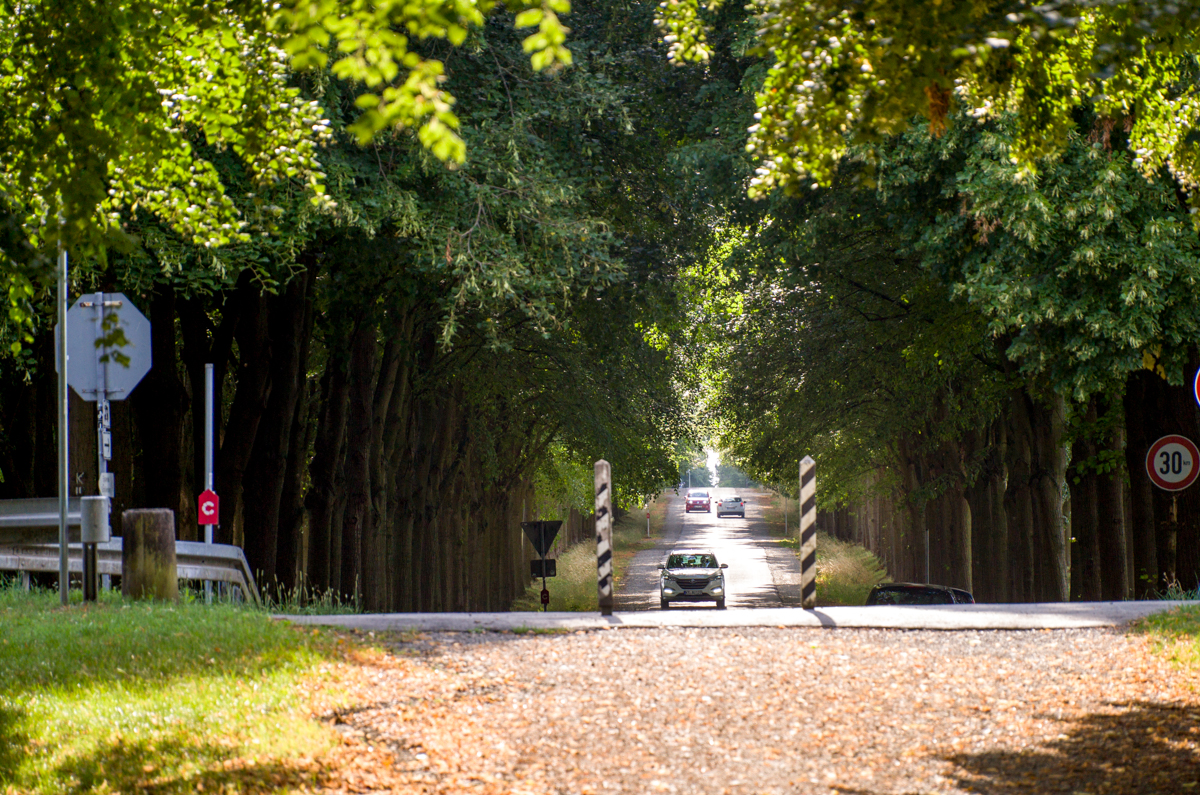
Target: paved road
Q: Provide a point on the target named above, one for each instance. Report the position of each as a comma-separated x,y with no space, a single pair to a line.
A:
762,571
763,574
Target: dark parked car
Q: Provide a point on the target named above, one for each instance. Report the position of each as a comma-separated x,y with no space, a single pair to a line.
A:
908,593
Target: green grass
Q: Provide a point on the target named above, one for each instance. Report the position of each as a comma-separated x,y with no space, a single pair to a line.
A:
846,572
1176,634
119,696
574,589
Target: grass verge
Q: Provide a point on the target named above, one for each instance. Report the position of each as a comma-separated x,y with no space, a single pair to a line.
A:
1175,633
574,589
846,572
119,696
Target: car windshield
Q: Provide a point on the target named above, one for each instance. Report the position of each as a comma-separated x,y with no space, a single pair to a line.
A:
911,596
698,494
696,561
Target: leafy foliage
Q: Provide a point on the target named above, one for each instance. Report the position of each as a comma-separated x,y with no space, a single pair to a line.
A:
844,75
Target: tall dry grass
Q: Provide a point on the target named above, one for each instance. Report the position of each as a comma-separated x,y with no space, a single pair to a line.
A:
846,572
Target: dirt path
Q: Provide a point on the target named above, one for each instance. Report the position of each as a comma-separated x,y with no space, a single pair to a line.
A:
773,711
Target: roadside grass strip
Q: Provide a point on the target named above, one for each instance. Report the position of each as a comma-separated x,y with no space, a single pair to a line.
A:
142,697
846,572
1175,635
574,589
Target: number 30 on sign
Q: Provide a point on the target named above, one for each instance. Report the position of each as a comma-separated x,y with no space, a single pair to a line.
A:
1171,462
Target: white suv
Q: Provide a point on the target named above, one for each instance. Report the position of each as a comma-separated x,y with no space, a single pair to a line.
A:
692,575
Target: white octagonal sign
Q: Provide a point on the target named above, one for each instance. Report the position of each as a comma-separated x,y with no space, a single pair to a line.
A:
108,346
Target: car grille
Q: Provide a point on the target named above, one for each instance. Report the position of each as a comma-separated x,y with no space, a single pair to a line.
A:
693,585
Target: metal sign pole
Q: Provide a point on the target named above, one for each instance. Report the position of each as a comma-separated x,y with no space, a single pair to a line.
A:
208,460
64,475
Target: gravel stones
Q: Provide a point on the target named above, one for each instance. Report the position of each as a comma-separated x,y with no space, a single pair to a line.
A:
772,711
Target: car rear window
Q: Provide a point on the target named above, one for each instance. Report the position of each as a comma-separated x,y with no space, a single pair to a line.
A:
910,596
691,562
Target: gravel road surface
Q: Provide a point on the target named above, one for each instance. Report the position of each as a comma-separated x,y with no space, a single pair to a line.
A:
762,710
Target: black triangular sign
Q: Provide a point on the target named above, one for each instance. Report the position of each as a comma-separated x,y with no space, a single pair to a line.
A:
541,534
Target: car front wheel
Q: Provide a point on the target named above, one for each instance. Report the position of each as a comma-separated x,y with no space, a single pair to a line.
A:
664,604
720,604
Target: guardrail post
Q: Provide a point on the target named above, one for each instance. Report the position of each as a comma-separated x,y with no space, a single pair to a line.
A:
604,552
808,533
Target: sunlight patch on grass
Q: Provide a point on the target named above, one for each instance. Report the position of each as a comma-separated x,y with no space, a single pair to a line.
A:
1176,634
122,697
846,572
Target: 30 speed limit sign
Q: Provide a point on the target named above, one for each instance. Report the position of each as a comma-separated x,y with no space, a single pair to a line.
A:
1171,462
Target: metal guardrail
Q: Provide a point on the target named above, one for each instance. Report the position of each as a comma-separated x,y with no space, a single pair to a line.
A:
35,521
194,560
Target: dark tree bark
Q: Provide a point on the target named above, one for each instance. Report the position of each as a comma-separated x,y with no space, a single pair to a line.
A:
325,471
1111,529
267,466
249,404
1085,517
291,504
159,402
1018,499
364,372
1142,536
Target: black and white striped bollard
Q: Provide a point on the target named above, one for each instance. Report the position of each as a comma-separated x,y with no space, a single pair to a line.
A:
604,552
808,533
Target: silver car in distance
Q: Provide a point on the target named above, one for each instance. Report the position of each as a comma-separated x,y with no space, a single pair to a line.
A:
692,575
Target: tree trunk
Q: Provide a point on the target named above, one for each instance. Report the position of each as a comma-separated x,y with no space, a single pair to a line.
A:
325,471
1143,547
158,406
267,467
1051,481
1110,511
249,404
1018,499
1085,517
364,370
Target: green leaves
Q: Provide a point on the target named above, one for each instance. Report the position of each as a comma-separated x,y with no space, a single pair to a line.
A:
843,76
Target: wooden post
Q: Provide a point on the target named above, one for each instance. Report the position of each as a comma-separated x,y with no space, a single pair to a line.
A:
808,533
604,552
148,555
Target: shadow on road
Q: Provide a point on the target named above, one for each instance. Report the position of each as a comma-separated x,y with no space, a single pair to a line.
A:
1148,748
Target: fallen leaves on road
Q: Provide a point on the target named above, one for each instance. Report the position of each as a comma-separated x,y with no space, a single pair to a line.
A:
756,711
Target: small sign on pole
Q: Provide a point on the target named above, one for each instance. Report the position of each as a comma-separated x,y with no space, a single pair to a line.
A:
1171,462
208,508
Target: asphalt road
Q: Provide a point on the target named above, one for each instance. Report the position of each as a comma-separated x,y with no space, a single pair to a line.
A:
762,572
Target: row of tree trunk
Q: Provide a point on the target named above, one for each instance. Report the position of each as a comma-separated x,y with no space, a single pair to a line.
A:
355,457
1030,508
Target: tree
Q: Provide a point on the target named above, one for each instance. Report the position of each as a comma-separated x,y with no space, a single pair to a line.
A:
843,75
121,107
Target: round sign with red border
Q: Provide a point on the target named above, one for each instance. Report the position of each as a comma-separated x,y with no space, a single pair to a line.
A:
1171,462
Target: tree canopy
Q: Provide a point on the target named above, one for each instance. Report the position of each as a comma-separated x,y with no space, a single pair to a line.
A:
842,75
